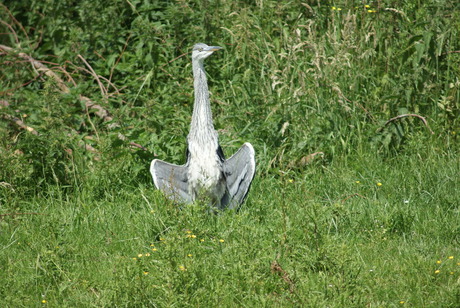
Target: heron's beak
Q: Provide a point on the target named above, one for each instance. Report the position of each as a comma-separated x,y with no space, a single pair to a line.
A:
214,48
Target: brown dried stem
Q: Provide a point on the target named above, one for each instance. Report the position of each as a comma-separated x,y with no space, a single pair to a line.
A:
425,122
39,67
277,269
16,22
11,29
20,123
100,111
96,76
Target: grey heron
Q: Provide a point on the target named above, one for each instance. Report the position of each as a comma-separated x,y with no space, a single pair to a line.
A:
206,175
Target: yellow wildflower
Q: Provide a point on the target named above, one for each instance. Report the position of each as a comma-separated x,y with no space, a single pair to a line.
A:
182,268
437,271
367,6
379,184
44,301
450,257
221,240
438,262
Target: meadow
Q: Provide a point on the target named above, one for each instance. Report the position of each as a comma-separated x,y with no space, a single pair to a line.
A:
353,110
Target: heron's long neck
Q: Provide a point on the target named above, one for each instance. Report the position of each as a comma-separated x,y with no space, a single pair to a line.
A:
202,116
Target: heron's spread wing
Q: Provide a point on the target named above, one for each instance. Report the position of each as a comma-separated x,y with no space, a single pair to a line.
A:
239,171
171,179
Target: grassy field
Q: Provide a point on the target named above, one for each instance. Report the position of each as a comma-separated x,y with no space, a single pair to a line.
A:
371,220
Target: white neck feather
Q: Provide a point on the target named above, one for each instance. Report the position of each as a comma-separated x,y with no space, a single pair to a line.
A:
201,127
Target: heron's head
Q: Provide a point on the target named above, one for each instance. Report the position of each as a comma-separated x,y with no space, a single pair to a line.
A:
202,51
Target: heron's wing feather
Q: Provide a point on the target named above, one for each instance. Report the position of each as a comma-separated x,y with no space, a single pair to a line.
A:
239,171
171,179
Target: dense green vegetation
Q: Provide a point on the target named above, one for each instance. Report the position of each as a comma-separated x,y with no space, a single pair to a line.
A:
352,106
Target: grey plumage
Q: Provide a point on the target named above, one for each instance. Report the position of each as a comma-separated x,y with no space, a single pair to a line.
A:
206,175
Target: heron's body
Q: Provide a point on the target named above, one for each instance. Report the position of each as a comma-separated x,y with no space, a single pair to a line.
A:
206,174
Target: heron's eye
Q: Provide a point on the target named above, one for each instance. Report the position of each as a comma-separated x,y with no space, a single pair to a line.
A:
200,49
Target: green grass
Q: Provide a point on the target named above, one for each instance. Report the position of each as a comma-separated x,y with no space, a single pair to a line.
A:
372,222
338,242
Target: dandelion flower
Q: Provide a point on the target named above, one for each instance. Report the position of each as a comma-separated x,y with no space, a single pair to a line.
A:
182,268
401,302
367,6
134,258
221,240
291,181
202,240
147,254
339,9
379,184
188,232
357,182
450,257
333,8
146,273
139,255
437,271
44,301
154,249
189,255
438,262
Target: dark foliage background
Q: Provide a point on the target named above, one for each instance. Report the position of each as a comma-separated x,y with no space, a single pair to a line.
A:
294,79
